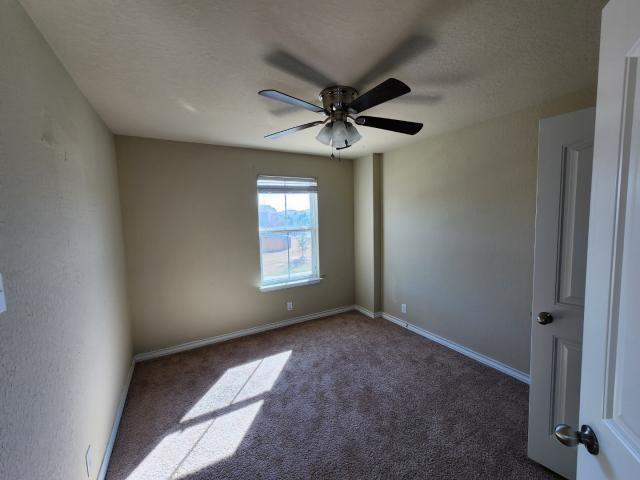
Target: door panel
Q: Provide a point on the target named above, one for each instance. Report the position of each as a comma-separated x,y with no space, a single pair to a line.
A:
562,219
566,399
576,188
610,385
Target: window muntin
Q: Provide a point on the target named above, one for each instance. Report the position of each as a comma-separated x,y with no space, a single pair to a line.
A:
288,226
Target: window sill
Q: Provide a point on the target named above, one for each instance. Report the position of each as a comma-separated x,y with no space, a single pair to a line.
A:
297,283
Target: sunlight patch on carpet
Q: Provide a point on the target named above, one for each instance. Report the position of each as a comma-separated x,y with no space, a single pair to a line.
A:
240,383
219,433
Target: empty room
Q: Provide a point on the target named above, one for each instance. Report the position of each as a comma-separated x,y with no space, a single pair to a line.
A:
291,239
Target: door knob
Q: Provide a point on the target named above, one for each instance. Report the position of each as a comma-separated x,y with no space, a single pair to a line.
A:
569,437
544,318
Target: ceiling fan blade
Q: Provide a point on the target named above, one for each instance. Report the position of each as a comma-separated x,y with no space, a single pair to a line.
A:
294,66
282,133
400,126
387,90
296,102
409,48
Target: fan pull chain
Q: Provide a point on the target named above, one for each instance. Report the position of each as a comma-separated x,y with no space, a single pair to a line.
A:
333,157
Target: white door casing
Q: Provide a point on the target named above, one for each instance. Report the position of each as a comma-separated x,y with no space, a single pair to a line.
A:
610,382
565,159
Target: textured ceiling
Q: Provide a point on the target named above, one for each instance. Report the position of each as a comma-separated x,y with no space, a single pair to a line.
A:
191,70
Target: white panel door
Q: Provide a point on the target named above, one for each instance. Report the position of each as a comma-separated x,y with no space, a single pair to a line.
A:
565,161
610,385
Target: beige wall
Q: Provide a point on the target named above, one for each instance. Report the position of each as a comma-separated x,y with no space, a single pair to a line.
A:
366,185
458,215
64,341
191,235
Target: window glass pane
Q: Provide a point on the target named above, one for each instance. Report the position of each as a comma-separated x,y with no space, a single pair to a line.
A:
275,257
300,254
298,210
287,219
271,210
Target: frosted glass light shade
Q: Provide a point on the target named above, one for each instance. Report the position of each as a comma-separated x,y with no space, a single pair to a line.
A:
352,134
340,135
324,136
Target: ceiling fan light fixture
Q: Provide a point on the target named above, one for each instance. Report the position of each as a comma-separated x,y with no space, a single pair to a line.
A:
344,135
325,135
340,135
353,135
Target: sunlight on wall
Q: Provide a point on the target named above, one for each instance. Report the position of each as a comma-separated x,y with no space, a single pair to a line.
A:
187,106
226,413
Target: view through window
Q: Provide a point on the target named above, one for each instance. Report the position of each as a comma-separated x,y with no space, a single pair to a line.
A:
288,224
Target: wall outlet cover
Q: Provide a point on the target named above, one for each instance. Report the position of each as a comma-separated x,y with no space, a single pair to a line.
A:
403,307
289,306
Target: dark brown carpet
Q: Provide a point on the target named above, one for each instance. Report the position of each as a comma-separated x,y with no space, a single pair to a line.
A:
345,397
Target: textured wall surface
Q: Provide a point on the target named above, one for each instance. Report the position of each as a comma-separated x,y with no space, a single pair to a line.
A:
367,231
64,340
191,233
458,215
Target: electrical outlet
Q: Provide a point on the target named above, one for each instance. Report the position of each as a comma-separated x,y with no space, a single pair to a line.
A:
290,306
403,308
88,461
3,301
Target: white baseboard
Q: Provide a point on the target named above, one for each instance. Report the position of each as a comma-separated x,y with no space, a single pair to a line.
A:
479,357
102,473
367,312
141,357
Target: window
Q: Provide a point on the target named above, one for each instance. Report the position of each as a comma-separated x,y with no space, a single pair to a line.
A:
288,225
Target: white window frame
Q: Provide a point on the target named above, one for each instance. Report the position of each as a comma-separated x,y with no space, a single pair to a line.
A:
286,184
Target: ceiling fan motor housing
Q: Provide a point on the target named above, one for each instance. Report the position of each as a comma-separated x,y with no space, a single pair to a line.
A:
336,100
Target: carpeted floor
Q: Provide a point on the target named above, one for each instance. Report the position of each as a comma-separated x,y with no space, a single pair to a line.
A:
344,397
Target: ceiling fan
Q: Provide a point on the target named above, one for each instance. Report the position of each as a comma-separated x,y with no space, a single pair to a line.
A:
340,104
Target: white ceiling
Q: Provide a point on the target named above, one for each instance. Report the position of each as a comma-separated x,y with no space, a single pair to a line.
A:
191,69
